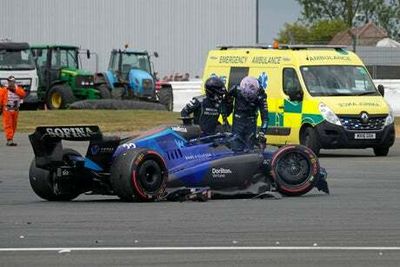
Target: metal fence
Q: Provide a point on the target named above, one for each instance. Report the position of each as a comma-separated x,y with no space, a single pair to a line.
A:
382,62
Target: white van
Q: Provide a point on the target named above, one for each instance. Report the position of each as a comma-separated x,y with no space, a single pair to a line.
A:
16,59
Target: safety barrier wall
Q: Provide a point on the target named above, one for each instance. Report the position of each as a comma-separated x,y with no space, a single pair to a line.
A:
185,91
392,93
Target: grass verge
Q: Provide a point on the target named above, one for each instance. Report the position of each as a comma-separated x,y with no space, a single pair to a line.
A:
108,120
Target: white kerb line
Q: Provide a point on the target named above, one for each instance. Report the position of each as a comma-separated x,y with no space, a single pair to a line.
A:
233,248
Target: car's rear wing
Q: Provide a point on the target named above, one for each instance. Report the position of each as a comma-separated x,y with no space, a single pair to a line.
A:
46,141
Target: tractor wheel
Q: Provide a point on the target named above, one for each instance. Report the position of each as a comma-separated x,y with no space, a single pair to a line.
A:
42,182
59,97
118,93
139,174
166,98
104,91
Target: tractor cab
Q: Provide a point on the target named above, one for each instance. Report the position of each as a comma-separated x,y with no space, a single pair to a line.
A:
61,80
133,71
130,75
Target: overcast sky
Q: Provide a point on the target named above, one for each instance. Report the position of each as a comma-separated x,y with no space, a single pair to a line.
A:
273,14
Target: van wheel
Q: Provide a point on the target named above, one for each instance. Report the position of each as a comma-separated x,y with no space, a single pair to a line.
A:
381,151
309,139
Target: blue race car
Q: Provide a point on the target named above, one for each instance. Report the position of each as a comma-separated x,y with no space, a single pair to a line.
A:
162,162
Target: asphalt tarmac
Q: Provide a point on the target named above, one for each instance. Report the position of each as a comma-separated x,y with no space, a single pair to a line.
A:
358,224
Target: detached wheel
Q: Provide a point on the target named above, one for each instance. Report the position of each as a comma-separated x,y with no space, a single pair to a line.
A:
309,139
59,97
139,174
43,182
166,98
104,91
295,170
381,151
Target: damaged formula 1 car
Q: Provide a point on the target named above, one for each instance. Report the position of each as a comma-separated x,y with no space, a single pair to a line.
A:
165,163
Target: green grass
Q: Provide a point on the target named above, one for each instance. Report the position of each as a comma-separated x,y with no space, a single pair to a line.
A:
107,120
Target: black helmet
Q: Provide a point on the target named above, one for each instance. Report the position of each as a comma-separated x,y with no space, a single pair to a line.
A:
215,88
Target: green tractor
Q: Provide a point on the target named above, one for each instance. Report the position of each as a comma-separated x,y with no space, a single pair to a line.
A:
130,76
61,81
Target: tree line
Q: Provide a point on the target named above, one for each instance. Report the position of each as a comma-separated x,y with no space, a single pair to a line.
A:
320,20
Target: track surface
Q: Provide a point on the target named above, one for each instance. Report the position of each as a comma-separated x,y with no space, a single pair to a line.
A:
357,225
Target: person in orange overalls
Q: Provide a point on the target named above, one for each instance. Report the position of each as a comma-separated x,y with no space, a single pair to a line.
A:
10,99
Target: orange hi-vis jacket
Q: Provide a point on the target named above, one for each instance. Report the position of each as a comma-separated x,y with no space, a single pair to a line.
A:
9,102
4,103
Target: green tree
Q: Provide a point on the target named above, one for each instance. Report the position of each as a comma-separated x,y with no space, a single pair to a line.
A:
320,32
323,31
385,13
314,10
294,33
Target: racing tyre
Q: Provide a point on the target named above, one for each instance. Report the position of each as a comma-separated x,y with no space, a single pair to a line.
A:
104,91
166,97
381,151
139,174
59,97
295,170
42,181
309,139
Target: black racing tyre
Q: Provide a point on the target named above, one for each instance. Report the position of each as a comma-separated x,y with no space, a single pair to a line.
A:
139,174
309,138
59,97
104,91
381,151
41,181
166,97
295,170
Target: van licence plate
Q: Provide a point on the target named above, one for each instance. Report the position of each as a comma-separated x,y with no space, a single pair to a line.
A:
364,136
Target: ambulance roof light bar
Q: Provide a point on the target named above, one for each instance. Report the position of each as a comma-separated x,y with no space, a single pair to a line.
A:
276,45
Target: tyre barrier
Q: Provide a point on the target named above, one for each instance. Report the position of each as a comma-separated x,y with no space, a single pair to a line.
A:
116,104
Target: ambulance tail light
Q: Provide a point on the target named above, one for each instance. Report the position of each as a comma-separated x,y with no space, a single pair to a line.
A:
328,114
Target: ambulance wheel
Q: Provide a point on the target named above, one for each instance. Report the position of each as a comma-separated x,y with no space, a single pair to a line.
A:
309,139
43,182
295,170
381,151
139,174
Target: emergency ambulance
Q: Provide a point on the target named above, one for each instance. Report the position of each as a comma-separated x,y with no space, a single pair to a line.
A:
318,96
